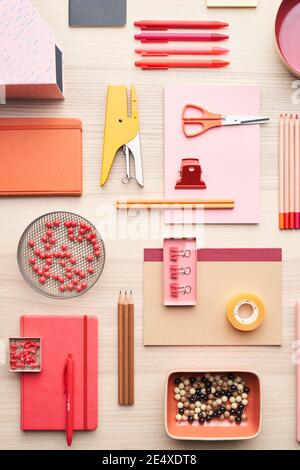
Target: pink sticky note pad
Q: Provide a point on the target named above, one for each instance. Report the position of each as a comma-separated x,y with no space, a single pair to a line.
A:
229,156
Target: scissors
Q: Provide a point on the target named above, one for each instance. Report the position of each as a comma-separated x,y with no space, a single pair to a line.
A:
207,120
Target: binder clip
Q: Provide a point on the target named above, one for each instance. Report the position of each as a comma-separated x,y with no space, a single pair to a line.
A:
191,175
177,290
176,271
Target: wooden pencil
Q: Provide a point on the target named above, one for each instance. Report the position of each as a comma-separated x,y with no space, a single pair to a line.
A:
175,206
281,172
297,172
131,349
292,171
286,173
121,349
126,350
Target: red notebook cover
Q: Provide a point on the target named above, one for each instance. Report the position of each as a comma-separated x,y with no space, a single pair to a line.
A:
43,399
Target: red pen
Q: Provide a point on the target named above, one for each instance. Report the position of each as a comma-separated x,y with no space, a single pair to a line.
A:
163,65
165,37
69,390
167,52
165,25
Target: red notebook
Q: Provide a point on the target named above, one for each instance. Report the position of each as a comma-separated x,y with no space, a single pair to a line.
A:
43,399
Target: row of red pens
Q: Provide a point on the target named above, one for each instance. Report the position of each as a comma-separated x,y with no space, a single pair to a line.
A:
25,355
70,276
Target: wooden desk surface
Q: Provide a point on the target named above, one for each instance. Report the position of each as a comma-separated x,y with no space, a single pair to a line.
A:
93,59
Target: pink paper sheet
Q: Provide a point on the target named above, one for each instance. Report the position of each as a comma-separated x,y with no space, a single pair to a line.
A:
229,156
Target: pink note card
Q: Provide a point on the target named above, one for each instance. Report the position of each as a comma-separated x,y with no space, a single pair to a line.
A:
229,156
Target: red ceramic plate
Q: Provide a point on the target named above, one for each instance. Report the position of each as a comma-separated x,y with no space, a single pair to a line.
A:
216,430
287,30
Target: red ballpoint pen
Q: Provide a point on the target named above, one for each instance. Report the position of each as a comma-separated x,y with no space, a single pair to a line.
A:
165,37
163,65
165,25
167,52
69,390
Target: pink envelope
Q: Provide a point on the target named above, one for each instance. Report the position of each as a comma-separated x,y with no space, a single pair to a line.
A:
229,156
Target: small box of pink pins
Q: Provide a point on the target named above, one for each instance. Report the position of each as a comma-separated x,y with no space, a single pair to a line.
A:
25,354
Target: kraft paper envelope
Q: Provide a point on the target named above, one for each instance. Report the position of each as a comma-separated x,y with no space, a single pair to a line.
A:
221,274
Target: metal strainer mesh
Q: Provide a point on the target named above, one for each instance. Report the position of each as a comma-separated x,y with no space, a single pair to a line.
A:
80,251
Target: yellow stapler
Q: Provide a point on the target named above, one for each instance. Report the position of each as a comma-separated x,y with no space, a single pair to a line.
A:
121,131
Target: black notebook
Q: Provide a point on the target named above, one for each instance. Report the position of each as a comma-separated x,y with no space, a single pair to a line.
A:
84,13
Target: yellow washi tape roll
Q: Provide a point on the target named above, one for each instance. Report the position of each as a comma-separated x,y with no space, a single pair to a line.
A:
245,323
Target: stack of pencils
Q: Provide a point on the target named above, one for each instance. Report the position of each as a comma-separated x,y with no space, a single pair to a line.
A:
289,172
126,349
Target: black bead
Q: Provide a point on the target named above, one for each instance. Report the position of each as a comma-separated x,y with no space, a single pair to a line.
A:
231,376
219,412
208,418
200,415
238,412
191,419
238,420
177,381
233,388
222,409
181,411
232,412
192,400
202,420
198,391
241,407
192,380
217,394
246,389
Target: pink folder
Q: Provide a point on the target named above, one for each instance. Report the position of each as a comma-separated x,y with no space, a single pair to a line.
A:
43,400
298,369
229,156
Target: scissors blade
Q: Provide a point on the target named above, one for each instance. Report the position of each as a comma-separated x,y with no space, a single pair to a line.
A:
243,120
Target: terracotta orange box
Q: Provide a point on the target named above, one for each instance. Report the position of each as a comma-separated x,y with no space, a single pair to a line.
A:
215,430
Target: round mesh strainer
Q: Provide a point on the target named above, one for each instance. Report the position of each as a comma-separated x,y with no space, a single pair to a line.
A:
61,255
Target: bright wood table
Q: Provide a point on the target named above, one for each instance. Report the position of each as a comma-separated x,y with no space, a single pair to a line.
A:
93,59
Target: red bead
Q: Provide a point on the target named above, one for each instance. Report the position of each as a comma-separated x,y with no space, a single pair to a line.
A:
83,285
64,247
71,230
89,258
62,263
53,241
93,241
42,256
56,223
73,260
68,269
56,254
49,233
42,280
49,261
47,246
62,255
74,224
68,255
93,235
46,275
71,237
44,238
67,223
76,271
78,289
36,268
62,288
37,252
70,287
31,243
46,268
88,228
32,261
75,281
96,246
55,276
82,231
40,272
83,225
91,270
82,274
80,238
61,279
49,224
69,275
48,255
97,253
88,237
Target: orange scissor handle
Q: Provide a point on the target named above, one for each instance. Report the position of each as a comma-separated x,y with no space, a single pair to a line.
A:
206,120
